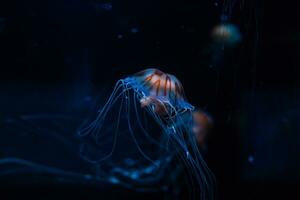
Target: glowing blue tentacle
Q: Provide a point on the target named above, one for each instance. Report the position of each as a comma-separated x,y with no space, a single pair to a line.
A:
209,176
131,131
85,131
200,166
188,160
44,168
116,132
141,126
200,162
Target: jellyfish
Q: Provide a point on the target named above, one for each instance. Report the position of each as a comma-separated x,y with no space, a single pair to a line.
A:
203,123
147,113
226,34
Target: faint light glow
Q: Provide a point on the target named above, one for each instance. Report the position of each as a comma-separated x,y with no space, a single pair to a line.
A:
87,177
224,18
187,154
227,34
134,175
87,98
9,120
251,159
113,180
134,30
119,36
104,6
149,169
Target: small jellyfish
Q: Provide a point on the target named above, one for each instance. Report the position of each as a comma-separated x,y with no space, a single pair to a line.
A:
227,34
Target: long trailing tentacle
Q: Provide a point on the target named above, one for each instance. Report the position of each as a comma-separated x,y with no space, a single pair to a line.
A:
141,126
205,177
116,133
97,123
43,168
131,131
200,161
177,129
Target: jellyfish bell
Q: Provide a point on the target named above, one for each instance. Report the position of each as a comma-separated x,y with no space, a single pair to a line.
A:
162,91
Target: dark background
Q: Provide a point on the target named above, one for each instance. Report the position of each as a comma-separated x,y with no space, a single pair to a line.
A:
251,90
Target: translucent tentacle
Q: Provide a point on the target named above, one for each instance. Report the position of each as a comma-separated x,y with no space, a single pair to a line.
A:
97,123
131,131
116,133
141,126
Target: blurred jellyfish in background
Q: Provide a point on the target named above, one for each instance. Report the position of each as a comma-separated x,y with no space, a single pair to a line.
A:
202,126
147,113
226,34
